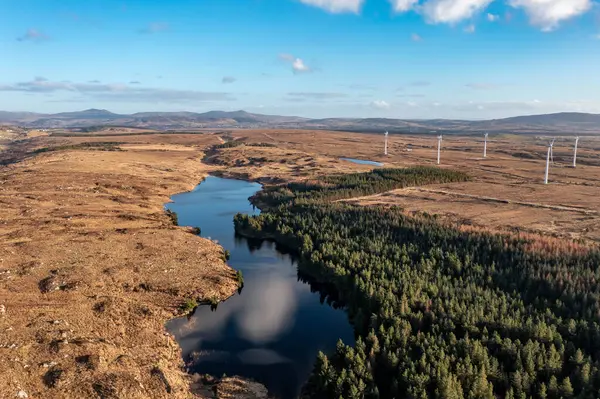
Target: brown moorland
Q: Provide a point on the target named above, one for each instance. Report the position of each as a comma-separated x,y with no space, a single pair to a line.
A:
91,267
506,192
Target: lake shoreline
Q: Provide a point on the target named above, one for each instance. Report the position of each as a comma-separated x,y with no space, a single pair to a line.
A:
214,214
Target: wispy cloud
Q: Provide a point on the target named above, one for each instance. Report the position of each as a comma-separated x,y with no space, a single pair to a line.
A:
155,27
33,35
469,28
135,82
492,17
380,104
336,6
93,81
298,65
116,92
228,79
403,5
420,83
416,37
452,11
548,14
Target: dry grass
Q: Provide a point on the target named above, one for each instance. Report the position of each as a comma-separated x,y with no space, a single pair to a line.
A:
506,193
91,268
87,228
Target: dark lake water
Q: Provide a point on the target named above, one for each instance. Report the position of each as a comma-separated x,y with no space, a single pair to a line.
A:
362,161
271,331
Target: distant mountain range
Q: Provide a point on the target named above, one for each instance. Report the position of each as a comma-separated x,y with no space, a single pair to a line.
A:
565,123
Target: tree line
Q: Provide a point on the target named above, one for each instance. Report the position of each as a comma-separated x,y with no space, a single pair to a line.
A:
335,187
438,312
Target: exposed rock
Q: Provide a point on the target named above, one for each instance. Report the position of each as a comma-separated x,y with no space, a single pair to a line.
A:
158,373
117,386
238,388
49,284
52,378
91,362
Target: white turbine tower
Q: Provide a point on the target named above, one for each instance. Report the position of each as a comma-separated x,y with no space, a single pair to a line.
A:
548,160
439,148
485,136
385,151
575,152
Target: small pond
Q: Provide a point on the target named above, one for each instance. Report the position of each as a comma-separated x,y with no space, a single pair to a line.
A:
271,331
362,161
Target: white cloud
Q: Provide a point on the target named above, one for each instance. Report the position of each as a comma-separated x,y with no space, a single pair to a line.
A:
548,14
380,104
336,6
452,11
298,65
403,5
492,17
470,29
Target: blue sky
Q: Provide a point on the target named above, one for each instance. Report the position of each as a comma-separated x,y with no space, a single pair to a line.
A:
468,59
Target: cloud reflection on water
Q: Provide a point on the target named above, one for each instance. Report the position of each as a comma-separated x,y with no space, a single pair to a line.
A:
269,312
262,313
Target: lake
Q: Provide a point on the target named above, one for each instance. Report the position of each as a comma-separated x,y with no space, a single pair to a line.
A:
362,161
271,331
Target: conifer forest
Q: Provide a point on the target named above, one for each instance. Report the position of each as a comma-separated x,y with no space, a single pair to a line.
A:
439,311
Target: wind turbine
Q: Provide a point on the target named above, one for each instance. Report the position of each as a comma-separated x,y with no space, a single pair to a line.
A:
575,152
385,151
485,145
548,160
439,148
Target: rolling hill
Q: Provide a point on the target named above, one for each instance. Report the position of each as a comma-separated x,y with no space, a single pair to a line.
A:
564,123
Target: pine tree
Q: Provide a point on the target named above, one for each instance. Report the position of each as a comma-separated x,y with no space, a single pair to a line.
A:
566,389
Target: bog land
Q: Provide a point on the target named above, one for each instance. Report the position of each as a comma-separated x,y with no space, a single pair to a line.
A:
91,267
